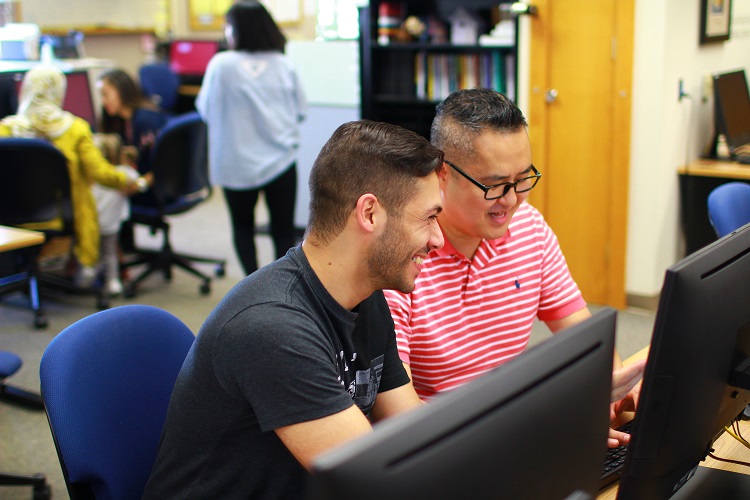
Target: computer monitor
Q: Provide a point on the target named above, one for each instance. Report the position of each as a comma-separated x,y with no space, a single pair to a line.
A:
190,57
732,102
535,427
78,98
692,388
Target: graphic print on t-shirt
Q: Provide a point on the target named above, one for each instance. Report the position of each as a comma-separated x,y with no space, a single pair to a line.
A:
363,386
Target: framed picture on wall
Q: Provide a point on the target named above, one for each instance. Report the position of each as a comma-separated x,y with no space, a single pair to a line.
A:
208,15
716,17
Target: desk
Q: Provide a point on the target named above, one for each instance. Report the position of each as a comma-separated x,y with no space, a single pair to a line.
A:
725,446
188,90
696,181
12,238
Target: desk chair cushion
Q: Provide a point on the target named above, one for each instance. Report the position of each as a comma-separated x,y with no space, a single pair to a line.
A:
160,82
10,363
729,207
50,198
180,169
106,382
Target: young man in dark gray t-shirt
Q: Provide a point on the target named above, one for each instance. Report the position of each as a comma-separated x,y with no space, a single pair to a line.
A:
301,355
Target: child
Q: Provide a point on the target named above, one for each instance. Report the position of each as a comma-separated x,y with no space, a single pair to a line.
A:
113,208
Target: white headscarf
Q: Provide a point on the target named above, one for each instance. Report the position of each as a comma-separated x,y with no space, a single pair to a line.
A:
40,112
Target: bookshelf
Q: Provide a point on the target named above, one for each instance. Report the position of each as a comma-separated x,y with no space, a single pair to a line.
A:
402,78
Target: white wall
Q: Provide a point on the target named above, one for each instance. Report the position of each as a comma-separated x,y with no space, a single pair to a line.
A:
666,133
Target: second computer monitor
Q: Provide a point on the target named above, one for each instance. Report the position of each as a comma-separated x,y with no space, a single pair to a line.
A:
697,379
533,428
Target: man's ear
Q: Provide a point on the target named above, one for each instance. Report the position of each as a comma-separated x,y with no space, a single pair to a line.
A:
443,172
369,213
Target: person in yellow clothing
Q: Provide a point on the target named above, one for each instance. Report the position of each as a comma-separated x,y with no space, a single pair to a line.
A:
40,115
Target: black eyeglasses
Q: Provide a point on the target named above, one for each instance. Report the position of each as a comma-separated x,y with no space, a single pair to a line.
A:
500,190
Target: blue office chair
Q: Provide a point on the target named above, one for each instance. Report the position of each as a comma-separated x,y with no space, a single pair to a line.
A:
106,383
729,207
180,167
160,84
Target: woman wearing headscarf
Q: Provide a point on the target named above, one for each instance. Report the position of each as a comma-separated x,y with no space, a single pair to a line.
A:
40,115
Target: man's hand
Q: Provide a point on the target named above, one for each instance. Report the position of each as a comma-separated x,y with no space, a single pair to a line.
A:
627,380
624,379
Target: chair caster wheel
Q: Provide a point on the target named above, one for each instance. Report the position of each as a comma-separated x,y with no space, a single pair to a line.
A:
221,271
128,291
44,493
40,321
205,289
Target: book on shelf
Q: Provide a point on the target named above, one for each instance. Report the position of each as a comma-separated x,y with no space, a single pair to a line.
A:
438,74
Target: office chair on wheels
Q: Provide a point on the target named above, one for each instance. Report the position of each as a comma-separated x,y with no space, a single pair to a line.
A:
160,84
180,167
10,363
35,189
729,207
106,383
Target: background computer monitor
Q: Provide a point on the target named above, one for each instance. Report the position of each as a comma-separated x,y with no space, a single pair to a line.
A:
732,103
78,98
535,427
701,335
190,57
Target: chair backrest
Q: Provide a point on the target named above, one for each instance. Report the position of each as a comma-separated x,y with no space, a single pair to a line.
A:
160,82
35,184
180,164
729,207
106,382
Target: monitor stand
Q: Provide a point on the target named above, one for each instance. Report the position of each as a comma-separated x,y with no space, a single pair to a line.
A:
715,483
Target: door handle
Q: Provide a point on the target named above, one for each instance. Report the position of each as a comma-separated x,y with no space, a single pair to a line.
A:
550,95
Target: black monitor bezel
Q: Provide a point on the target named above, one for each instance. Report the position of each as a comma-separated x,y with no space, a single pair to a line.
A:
735,135
686,397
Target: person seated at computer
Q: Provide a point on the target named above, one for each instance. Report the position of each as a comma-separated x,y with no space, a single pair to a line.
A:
40,115
129,114
277,374
476,299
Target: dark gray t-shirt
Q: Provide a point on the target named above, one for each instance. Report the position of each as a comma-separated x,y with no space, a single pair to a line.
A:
277,350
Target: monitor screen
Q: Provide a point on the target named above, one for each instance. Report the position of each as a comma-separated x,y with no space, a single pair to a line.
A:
190,57
78,98
535,427
690,390
732,103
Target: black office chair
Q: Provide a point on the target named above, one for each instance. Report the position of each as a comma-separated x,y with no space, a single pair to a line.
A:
35,188
180,167
10,363
160,84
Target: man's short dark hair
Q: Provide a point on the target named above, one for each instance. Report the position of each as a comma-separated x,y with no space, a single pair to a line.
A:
253,28
465,114
366,157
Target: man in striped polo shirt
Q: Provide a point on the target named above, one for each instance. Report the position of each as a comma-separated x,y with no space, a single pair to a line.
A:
475,299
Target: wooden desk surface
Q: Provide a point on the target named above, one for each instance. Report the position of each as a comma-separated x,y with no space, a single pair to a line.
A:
189,90
724,447
12,238
717,168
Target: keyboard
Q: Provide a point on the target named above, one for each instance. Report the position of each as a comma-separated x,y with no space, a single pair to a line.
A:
614,460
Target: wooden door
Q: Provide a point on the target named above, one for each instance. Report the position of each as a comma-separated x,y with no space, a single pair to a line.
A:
581,51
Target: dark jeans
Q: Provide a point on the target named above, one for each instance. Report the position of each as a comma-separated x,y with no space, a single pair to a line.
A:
280,194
